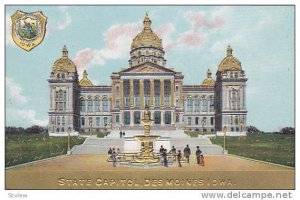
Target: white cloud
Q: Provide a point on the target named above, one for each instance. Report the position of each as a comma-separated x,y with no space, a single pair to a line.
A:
23,118
14,90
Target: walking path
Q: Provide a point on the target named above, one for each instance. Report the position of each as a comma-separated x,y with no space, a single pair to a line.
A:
91,172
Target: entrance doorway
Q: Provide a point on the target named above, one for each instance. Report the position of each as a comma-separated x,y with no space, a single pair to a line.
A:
157,117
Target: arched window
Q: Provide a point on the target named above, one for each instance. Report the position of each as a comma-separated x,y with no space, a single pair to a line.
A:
90,105
82,121
58,76
203,104
196,105
105,105
97,104
97,121
197,120
82,105
63,76
62,129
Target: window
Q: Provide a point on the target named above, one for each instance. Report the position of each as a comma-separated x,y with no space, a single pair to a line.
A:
97,104
90,105
147,100
63,121
58,76
189,120
234,99
117,119
82,105
97,121
156,101
237,129
203,104
211,121
197,120
105,105
117,103
105,121
197,105
58,120
211,104
189,105
204,120
136,101
236,120
82,121
177,118
168,117
126,118
177,103
62,129
63,76
176,88
126,101
167,101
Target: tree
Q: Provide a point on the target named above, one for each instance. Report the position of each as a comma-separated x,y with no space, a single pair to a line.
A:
288,131
253,130
14,130
35,129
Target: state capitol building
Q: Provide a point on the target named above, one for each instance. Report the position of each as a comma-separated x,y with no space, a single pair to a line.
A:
147,81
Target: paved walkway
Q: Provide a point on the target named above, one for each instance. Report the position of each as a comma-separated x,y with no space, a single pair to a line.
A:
220,172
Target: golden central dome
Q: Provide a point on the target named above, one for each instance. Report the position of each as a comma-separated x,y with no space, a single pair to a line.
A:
208,81
64,63
230,62
147,37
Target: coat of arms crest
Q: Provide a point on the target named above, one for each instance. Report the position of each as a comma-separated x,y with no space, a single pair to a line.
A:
28,29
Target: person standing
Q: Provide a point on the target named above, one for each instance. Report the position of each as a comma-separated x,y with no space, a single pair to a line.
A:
109,152
179,158
173,152
187,153
121,134
161,150
165,157
198,154
114,158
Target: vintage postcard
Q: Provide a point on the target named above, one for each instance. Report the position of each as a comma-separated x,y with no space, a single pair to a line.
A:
149,97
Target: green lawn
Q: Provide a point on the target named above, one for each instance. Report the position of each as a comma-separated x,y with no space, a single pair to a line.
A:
268,147
30,147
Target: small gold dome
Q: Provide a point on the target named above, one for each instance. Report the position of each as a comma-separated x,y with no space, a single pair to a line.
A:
230,62
147,37
85,81
208,81
64,63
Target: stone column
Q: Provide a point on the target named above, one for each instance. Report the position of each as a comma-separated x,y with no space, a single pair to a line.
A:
121,94
131,118
180,95
162,93
152,93
172,117
141,93
131,93
162,118
172,93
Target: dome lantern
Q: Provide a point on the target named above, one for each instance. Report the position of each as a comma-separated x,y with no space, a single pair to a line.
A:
229,51
147,22
65,52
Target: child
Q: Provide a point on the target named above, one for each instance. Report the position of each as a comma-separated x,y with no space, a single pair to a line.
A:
202,160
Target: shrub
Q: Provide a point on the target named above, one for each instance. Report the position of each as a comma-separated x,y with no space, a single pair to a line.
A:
253,130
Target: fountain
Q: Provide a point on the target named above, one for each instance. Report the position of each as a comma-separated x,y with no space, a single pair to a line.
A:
146,154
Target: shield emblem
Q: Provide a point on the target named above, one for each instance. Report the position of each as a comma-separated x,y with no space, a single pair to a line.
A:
28,29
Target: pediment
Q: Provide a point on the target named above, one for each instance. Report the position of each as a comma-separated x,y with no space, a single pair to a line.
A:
148,68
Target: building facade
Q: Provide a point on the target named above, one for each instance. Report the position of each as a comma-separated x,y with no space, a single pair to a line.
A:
80,106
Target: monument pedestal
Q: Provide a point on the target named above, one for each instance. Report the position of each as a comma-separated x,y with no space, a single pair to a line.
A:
131,145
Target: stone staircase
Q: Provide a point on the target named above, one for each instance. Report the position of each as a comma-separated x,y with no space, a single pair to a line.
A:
93,145
162,133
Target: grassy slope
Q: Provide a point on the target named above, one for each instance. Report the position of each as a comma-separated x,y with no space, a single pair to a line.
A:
25,148
268,147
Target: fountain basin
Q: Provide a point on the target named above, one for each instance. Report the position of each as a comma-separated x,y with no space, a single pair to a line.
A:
149,138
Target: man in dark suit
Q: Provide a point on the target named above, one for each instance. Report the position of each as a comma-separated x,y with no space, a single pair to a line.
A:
198,155
187,153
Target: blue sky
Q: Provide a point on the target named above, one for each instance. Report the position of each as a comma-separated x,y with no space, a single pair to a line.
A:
194,37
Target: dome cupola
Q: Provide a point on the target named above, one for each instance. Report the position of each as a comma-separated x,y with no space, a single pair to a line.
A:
230,62
64,64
